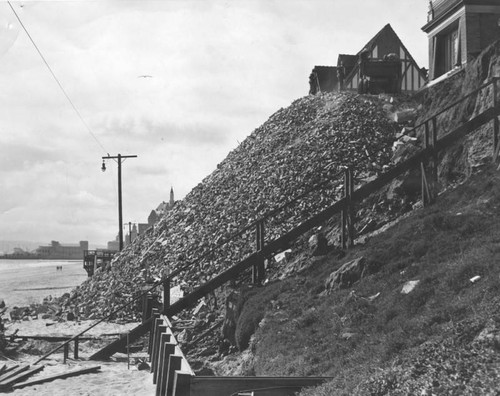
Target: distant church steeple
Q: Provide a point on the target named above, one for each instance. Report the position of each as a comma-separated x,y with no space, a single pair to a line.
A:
172,201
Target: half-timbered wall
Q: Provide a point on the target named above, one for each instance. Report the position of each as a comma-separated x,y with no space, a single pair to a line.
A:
384,43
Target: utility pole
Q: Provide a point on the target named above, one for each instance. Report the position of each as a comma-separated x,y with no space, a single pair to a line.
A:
120,158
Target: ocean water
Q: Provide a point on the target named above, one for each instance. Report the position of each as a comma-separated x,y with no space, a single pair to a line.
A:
23,282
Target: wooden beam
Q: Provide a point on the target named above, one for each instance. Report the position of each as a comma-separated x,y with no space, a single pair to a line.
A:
52,338
68,374
276,386
8,383
13,372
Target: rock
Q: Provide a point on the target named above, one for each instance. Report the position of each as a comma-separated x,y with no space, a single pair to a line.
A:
318,244
283,256
70,316
200,308
2,303
211,350
347,336
346,275
142,366
405,115
205,371
409,286
490,334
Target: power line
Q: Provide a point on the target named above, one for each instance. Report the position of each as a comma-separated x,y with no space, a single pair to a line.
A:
58,82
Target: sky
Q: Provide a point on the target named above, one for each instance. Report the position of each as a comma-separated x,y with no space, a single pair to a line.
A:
179,83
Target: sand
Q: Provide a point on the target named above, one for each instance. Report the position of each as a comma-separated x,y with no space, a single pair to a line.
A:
114,378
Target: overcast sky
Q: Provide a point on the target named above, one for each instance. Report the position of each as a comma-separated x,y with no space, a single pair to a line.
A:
218,70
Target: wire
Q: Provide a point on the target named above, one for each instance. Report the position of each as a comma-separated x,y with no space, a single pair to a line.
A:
58,82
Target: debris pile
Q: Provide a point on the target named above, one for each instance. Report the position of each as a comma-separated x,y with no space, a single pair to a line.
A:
299,146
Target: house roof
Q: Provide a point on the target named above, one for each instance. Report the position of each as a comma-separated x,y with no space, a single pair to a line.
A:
442,9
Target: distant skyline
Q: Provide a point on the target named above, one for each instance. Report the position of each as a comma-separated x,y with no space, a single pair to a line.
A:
177,83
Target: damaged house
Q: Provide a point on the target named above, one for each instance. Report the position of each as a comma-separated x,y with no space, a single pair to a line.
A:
382,65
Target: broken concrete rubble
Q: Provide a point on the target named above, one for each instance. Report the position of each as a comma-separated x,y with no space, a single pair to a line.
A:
297,147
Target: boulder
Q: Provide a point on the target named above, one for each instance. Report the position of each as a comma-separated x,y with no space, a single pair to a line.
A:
346,275
318,245
409,286
2,303
405,115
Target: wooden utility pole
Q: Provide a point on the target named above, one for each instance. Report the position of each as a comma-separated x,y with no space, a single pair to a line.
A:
120,158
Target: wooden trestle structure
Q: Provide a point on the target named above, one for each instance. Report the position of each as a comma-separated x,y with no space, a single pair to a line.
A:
94,259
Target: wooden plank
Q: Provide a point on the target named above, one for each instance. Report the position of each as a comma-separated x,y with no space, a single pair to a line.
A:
7,384
68,374
53,338
13,372
7,369
275,386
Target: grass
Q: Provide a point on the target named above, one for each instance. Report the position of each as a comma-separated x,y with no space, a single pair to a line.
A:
351,338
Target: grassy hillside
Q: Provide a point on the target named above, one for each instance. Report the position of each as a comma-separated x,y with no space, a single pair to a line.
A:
394,343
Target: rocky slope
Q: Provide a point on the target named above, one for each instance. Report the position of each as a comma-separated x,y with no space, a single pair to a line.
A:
312,139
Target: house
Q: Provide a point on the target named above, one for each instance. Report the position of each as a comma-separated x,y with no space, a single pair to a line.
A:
458,30
384,60
323,79
384,45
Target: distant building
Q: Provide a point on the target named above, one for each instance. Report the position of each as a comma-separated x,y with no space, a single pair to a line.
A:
114,245
131,236
58,251
458,30
162,208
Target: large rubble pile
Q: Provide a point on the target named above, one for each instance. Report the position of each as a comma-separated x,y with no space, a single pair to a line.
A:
297,147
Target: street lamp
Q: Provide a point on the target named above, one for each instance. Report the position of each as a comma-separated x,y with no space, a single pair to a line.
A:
120,158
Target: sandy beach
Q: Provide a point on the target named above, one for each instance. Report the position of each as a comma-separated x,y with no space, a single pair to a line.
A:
114,377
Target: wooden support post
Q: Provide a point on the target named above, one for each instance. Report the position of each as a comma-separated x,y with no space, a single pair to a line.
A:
166,293
429,186
156,356
426,198
182,384
347,214
164,338
149,306
167,349
496,128
496,145
258,270
75,351
154,351
156,315
65,353
174,364
434,158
